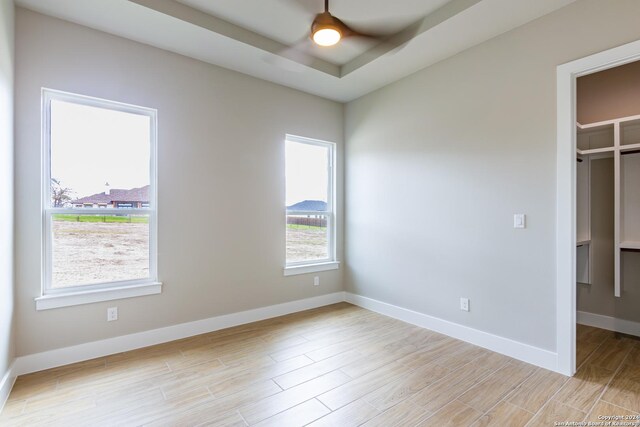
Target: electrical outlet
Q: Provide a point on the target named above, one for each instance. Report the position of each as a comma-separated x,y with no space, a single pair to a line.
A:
316,281
464,304
112,314
519,221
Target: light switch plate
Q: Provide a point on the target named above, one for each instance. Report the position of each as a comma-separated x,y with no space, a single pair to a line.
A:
519,221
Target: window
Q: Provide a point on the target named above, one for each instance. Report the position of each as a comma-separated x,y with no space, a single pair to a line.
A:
310,235
99,197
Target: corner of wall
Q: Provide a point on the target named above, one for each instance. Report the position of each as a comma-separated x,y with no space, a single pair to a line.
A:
6,384
7,278
527,353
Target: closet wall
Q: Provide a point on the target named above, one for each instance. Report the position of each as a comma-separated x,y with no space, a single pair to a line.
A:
604,96
595,291
609,94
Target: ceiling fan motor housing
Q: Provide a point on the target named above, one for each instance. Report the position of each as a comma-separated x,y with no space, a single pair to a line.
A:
325,21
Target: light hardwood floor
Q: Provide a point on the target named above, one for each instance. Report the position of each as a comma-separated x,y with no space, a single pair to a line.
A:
333,366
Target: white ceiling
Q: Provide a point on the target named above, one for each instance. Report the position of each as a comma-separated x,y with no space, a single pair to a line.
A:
288,21
251,36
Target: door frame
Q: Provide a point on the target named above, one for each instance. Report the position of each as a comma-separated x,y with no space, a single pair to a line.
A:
566,192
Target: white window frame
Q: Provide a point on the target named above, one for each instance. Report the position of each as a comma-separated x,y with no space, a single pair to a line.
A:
329,263
83,294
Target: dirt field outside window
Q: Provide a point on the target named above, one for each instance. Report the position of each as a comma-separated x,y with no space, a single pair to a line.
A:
96,249
306,243
99,251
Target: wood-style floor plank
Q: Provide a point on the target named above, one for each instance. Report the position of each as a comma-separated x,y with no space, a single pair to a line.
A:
454,414
497,386
582,391
606,409
537,390
436,396
317,369
300,415
553,412
504,414
338,365
351,415
624,392
611,353
279,402
214,408
395,392
244,379
357,388
403,414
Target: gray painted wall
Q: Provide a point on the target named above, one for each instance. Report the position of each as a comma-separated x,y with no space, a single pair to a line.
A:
6,185
221,153
438,163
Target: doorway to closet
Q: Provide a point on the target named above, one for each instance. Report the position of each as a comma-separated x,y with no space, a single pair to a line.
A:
607,213
598,205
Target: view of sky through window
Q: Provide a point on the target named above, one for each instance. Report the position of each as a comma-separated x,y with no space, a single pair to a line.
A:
306,172
92,146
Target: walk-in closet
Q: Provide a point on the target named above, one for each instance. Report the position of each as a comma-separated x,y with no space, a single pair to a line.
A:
608,199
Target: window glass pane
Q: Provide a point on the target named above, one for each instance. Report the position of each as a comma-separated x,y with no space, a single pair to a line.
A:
91,249
99,157
307,238
307,176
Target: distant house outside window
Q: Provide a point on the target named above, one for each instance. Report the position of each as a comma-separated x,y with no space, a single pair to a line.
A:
99,194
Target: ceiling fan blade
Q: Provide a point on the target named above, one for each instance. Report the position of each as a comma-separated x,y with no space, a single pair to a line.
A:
349,31
391,39
296,50
292,57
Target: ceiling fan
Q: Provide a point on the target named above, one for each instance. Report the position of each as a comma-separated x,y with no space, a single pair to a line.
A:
327,30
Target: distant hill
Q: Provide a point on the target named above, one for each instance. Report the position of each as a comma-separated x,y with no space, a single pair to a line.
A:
309,205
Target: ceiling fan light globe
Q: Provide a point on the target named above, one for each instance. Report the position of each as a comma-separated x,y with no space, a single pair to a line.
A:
326,36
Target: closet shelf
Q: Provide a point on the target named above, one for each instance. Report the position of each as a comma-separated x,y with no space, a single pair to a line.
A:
594,126
630,245
630,147
599,150
605,123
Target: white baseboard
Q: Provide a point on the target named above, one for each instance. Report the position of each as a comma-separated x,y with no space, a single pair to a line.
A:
78,353
81,352
525,352
609,323
6,385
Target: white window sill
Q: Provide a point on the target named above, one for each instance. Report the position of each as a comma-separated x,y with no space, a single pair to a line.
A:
311,268
47,302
